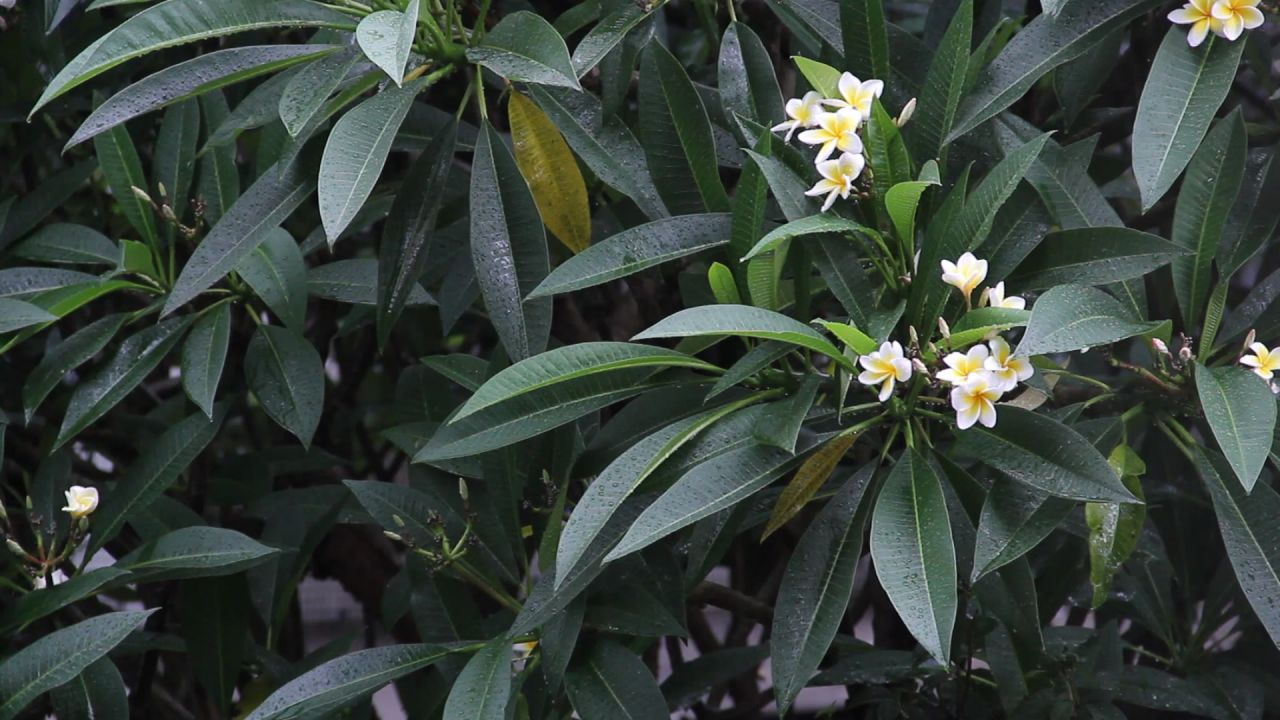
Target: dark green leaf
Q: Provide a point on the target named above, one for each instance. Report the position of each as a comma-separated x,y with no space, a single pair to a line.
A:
611,683
284,371
204,355
194,552
1093,256
483,687
508,248
1242,415
914,557
1074,317
68,243
636,249
278,274
525,48
1015,518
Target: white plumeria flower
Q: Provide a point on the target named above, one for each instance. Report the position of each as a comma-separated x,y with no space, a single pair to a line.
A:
803,112
837,178
835,130
855,93
1006,371
1263,361
960,366
1199,15
995,297
974,401
966,273
81,501
885,367
523,650
57,578
1236,16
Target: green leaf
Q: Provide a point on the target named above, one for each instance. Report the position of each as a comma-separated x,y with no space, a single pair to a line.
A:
1075,317
483,688
781,428
1045,454
1045,43
119,161
606,494
190,79
1208,192
709,487
812,225
533,413
1015,518
508,248
278,274
355,153
604,144
570,362
676,136
284,371
160,464
747,81
822,77
1251,220
192,552
1252,537
343,680
901,201
1093,256
858,341
17,219
975,325
355,282
745,321
60,656
817,585
68,243
1241,412
97,692
219,181
940,96
607,35
16,314
864,33
1184,90
636,249
262,208
30,280
525,48
611,683
135,358
178,22
386,38
723,287
886,151
307,91
1114,529
215,624
35,605
913,553
204,355
175,155
77,349
402,257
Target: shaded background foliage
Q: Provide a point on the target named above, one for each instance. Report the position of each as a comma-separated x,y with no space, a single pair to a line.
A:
1175,635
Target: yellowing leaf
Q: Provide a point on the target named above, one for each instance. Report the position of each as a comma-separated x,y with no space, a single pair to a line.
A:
552,173
811,475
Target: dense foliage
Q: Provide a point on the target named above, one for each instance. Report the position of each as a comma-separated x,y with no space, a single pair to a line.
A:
613,382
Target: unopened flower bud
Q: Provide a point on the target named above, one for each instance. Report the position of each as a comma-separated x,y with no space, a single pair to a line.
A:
1160,347
394,537
462,489
142,195
944,328
918,364
1249,339
399,521
1185,354
907,111
913,335
15,548
160,188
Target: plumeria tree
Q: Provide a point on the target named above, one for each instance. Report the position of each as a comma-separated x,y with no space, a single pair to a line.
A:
611,383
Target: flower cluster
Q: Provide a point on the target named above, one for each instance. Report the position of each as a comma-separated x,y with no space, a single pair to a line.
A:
978,377
1224,18
832,124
